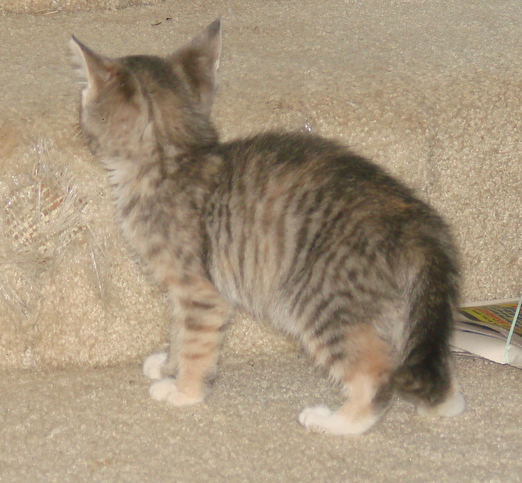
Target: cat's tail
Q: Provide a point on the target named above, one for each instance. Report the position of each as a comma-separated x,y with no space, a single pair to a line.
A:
425,374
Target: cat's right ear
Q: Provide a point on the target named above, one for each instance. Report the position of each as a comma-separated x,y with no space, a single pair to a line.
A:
96,70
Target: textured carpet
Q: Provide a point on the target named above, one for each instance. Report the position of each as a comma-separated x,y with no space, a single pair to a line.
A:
100,425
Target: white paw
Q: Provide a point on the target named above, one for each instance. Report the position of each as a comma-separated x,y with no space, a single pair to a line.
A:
309,416
153,364
322,418
453,406
166,390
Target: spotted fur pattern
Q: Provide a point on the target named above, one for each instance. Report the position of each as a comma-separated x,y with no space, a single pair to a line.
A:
294,228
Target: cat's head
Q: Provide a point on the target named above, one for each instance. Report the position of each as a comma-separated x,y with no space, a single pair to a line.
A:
131,105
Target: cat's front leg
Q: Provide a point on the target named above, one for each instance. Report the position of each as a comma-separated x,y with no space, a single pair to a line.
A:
154,364
162,365
165,389
199,318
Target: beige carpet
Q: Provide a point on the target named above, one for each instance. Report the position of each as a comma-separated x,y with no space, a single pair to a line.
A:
432,90
100,425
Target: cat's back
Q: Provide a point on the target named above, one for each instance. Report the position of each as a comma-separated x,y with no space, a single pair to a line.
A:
275,163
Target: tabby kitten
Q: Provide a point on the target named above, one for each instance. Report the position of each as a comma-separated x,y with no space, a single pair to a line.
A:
291,227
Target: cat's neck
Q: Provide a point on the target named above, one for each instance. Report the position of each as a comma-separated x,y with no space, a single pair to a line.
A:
142,176
131,180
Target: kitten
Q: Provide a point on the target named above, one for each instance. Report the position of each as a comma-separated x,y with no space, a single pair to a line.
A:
295,229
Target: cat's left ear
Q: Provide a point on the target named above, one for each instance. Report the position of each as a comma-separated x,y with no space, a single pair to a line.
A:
199,60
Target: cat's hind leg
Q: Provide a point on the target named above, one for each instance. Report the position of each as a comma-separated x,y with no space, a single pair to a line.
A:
365,373
367,402
453,405
430,383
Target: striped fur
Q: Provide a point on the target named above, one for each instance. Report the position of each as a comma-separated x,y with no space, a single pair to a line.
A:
293,228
